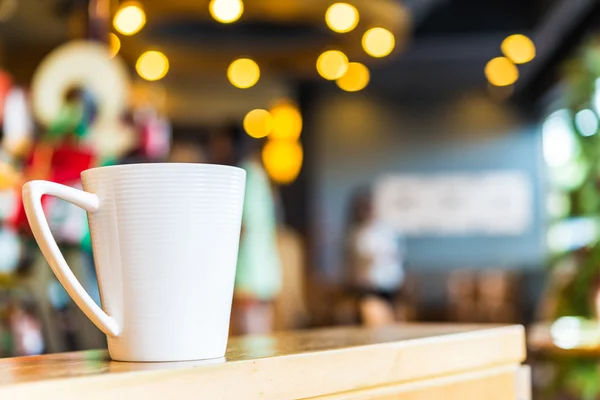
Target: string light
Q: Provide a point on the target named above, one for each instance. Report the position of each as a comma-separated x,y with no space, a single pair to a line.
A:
243,73
378,42
226,11
500,71
130,18
287,121
258,123
332,64
519,48
341,17
152,65
114,44
356,78
283,160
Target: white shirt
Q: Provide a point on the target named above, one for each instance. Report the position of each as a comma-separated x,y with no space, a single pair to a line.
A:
377,258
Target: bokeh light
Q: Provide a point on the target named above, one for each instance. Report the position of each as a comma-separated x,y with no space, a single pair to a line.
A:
519,48
243,73
341,17
130,18
378,42
500,71
226,11
152,65
282,160
258,123
114,44
586,122
559,144
332,64
287,121
356,78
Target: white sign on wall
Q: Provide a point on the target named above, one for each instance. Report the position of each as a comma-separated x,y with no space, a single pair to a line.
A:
489,203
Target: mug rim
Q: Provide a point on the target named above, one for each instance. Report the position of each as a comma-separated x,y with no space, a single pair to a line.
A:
162,164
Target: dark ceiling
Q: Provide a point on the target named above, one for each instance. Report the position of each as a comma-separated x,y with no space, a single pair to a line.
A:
443,44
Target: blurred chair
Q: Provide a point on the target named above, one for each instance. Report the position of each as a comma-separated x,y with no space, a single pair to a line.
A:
497,299
462,296
489,295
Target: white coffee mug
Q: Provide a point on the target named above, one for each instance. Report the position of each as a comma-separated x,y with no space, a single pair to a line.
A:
165,240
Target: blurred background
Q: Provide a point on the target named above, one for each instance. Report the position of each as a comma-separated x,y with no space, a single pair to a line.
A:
407,160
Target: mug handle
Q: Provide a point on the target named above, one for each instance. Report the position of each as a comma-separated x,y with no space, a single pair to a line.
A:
32,200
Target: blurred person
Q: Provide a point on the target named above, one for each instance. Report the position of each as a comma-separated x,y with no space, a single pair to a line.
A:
375,255
258,276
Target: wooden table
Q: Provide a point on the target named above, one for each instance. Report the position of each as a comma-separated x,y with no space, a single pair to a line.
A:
404,362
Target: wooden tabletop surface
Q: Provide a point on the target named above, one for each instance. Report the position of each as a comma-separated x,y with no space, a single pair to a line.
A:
273,366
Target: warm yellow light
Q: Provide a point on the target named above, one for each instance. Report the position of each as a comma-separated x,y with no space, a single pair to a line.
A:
152,65
226,11
341,17
243,73
283,160
519,48
378,42
355,79
500,71
114,44
287,121
258,123
332,64
130,18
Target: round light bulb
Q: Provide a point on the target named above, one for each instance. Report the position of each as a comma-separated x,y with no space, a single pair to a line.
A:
129,19
341,17
114,44
287,121
355,79
152,65
519,48
378,42
282,160
226,11
500,71
258,123
243,73
332,64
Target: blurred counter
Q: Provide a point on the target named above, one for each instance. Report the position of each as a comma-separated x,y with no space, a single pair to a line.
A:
404,362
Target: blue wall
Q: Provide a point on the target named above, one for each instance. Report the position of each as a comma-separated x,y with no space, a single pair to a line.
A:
361,138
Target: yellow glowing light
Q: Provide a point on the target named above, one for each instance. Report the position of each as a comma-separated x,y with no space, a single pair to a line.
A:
130,18
332,64
114,44
152,65
243,73
226,11
283,160
341,17
287,121
258,123
378,42
500,71
355,79
519,48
